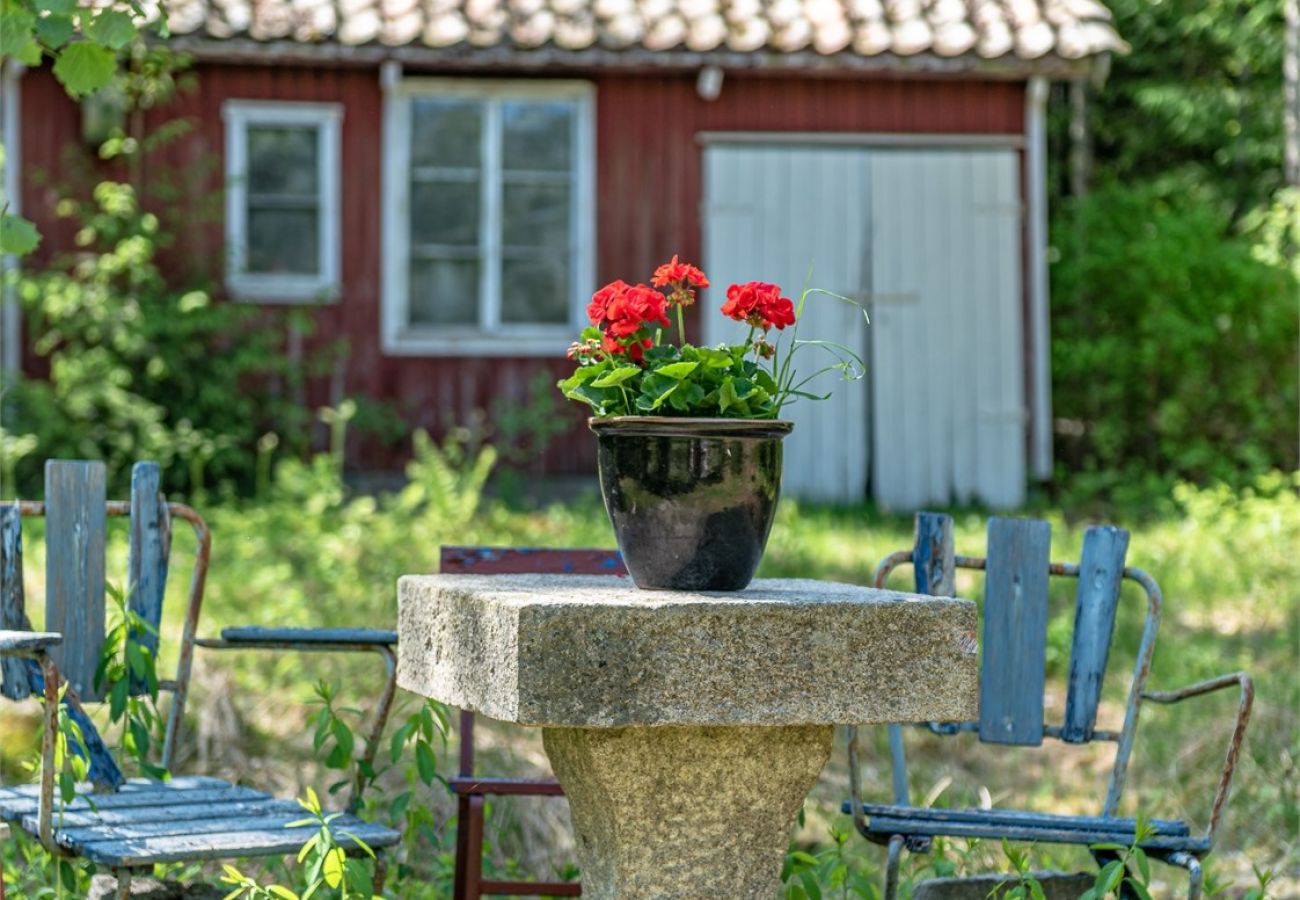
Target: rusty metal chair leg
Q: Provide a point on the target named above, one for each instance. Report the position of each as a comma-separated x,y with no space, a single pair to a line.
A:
381,871
462,848
123,883
895,856
1195,876
474,850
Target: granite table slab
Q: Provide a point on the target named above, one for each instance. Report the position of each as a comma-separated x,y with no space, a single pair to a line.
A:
685,728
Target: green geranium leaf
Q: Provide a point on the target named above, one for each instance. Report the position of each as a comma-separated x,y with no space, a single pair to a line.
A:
655,391
112,28
54,31
84,67
17,235
616,376
678,370
57,7
15,31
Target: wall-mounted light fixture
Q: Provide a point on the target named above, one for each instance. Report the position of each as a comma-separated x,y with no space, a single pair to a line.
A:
709,83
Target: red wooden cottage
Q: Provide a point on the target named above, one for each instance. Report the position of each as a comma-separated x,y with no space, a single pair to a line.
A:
444,183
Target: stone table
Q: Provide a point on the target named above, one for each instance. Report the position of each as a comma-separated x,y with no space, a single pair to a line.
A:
686,729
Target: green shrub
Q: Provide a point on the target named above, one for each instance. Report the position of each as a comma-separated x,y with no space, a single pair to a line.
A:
142,366
1173,345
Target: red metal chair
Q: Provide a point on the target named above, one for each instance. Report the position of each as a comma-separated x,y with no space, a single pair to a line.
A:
472,790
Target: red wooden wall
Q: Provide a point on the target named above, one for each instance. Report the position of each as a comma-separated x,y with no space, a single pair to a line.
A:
648,180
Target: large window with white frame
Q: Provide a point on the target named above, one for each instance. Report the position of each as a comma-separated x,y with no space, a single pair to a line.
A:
488,215
282,200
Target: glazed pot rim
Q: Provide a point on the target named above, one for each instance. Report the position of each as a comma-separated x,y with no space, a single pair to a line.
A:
684,426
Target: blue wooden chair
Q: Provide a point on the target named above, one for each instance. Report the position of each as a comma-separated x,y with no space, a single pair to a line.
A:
472,790
128,825
1014,642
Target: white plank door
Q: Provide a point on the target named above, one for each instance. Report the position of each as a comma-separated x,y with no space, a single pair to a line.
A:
774,212
931,239
946,336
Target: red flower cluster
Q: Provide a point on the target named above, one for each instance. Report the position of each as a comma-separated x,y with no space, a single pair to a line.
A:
760,304
620,310
681,278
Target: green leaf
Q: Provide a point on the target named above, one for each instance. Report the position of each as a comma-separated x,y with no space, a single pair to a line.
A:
17,235
1138,888
281,891
425,762
84,67
54,31
677,370
342,735
111,28
1143,865
616,376
57,7
333,872
16,27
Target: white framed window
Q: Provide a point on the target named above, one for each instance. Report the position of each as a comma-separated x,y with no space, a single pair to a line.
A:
282,200
488,216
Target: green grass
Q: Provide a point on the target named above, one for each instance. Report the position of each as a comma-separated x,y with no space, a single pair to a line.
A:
310,555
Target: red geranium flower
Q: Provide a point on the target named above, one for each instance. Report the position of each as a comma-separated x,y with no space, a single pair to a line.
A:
599,305
760,304
675,272
621,311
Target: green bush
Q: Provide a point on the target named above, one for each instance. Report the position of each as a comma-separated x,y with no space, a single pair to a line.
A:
1173,345
142,365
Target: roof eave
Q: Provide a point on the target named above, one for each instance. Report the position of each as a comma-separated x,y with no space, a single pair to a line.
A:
463,57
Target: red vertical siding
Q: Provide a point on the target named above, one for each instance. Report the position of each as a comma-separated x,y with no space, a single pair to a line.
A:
648,206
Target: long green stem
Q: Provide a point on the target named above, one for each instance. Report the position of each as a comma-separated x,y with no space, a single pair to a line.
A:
681,325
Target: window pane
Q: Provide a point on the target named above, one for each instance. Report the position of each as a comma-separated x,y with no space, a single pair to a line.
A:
535,290
536,137
535,215
445,212
444,292
283,241
282,160
446,133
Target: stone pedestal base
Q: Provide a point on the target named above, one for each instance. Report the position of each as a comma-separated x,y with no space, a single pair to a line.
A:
685,812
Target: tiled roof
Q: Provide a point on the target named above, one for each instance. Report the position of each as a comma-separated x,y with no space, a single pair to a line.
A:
1015,30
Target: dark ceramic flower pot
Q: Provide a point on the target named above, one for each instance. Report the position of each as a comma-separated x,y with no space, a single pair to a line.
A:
692,500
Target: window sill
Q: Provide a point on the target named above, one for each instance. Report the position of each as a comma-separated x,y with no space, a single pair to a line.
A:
286,291
547,344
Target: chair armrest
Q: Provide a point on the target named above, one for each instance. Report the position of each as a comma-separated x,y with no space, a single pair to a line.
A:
1247,689
307,639
28,643
465,786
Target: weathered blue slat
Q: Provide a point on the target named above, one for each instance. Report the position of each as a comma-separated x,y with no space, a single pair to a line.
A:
75,498
1101,573
28,641
933,555
1172,827
151,539
13,611
1015,632
885,826
269,842
258,635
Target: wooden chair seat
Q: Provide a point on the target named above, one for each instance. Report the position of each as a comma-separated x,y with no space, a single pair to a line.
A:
185,819
885,821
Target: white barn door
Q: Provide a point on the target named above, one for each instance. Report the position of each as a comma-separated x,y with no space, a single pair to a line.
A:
769,219
930,239
946,336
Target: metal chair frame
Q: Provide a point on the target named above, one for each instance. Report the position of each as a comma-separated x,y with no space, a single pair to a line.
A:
472,790
36,646
934,563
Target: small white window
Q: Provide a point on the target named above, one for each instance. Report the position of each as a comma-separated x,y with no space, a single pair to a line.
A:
282,201
488,244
